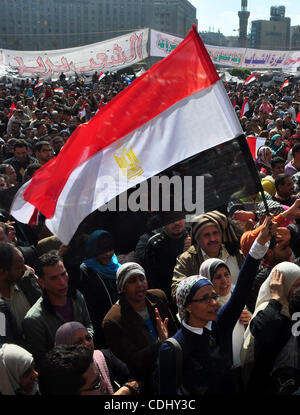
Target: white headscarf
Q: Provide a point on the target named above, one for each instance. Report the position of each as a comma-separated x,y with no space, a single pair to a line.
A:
14,361
291,273
207,270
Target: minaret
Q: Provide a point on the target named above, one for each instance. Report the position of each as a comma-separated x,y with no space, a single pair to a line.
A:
244,16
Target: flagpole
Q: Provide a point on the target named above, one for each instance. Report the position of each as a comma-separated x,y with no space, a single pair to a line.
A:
264,200
246,150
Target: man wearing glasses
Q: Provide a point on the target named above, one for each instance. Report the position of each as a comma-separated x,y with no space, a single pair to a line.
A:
70,370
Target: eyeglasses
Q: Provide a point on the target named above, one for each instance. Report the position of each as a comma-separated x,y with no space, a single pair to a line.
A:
206,299
95,385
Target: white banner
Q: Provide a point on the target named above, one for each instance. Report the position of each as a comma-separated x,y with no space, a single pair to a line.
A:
110,55
226,56
162,45
254,58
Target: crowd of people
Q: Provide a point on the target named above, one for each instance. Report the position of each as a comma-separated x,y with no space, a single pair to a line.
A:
197,308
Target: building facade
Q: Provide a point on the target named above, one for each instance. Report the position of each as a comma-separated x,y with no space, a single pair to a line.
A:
273,34
213,38
61,24
295,37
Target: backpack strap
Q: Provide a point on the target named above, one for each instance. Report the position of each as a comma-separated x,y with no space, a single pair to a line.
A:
178,350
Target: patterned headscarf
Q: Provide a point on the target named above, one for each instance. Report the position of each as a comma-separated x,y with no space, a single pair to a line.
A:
274,208
261,156
186,290
213,218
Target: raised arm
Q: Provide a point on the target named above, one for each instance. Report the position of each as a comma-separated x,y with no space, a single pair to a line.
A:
230,312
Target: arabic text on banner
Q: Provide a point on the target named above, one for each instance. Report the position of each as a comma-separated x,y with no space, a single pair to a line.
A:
110,55
162,44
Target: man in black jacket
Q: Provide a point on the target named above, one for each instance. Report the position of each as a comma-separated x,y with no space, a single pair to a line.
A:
19,288
21,159
161,252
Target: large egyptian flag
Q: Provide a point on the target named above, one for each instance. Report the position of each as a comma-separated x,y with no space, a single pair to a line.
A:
174,120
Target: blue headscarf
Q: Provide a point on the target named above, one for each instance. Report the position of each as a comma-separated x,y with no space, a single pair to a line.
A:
29,92
92,248
274,147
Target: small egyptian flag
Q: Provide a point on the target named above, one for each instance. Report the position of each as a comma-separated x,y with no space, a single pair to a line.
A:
101,76
254,144
245,107
285,84
82,111
250,79
60,90
100,105
12,108
298,117
39,84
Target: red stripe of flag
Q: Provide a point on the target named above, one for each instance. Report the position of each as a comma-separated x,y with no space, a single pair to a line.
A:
39,84
101,76
245,107
12,108
250,79
285,84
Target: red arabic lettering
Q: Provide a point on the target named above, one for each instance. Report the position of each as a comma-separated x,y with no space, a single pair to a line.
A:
118,58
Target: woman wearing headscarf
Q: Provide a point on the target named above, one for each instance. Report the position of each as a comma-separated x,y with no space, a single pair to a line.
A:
138,323
277,145
111,369
269,327
218,273
17,374
263,160
285,374
226,243
98,278
205,336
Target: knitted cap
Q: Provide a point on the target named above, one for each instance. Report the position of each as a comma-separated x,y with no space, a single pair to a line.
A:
125,271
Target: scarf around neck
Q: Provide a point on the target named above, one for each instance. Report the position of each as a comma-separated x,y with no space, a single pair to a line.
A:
106,271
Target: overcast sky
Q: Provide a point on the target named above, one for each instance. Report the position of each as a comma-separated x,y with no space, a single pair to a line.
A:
222,14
